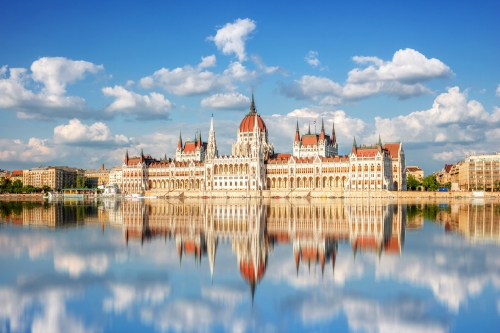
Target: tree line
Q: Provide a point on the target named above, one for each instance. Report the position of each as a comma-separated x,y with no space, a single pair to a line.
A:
428,183
7,186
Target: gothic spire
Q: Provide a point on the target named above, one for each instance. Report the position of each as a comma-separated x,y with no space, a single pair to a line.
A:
212,123
126,156
309,131
322,133
179,143
354,142
334,138
252,105
297,134
379,141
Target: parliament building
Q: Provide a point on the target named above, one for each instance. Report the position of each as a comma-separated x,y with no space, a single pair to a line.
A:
255,169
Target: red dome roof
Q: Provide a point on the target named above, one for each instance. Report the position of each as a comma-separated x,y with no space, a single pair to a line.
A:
248,123
248,273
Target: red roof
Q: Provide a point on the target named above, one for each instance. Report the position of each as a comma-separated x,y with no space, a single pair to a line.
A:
366,243
393,149
133,161
248,273
189,147
392,246
16,173
447,167
309,140
248,123
372,152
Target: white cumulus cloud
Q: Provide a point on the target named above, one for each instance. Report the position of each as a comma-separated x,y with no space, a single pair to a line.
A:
186,81
76,133
498,91
312,59
208,61
143,106
50,101
231,37
402,77
229,101
56,72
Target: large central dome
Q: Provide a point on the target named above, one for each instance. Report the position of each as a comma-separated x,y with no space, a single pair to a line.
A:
248,123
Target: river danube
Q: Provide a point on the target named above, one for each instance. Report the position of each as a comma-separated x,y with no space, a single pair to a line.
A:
250,266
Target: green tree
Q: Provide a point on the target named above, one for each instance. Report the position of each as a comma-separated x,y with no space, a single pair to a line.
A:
81,181
430,183
4,183
412,183
17,184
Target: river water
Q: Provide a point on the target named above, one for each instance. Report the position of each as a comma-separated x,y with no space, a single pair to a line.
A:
250,266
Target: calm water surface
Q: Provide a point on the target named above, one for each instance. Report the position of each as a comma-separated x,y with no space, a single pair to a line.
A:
240,266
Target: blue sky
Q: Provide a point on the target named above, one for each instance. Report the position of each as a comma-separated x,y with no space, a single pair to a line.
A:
82,82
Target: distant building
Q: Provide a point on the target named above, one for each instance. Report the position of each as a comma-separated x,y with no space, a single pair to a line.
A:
310,145
96,178
415,171
254,166
443,176
480,172
3,173
116,176
55,177
16,175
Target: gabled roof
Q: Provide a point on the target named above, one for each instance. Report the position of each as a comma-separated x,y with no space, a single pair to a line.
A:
413,168
393,149
310,139
367,152
189,147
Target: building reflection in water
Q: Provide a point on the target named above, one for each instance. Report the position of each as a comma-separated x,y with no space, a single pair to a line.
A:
253,227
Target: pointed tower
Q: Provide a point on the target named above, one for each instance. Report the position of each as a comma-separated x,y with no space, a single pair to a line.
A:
354,146
126,157
297,261
333,142
142,156
297,133
178,151
334,137
252,106
212,144
179,143
379,141
322,133
309,131
212,251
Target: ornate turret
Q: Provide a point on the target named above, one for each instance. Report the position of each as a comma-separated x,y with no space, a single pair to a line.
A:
334,137
179,143
354,146
252,106
212,144
297,133
322,133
